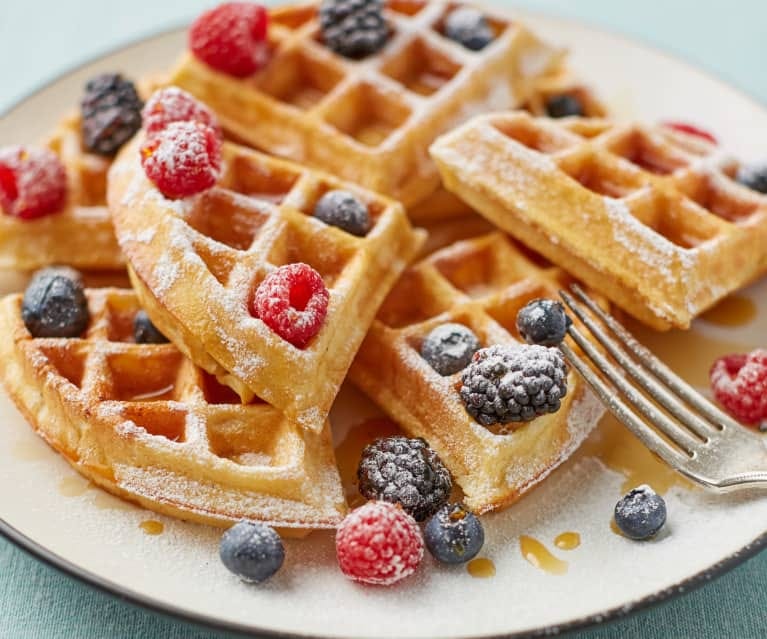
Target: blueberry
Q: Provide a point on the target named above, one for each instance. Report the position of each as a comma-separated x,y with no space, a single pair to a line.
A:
251,550
562,106
468,27
454,535
344,210
543,322
54,304
449,348
144,332
754,176
641,513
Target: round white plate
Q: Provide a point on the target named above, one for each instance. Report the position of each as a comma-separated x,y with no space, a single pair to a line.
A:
51,511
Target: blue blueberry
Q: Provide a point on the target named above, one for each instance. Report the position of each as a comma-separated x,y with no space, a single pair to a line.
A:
454,535
449,348
543,322
641,513
344,210
251,550
54,304
563,106
754,176
468,27
144,332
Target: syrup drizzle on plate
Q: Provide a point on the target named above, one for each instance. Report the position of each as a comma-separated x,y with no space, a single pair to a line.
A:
536,553
481,568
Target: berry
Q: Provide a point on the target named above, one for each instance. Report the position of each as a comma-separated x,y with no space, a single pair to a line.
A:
231,38
378,543
513,383
543,322
353,28
754,176
449,348
454,535
565,105
641,513
33,182
176,105
54,304
468,27
404,471
251,550
183,159
292,301
144,332
344,210
690,129
111,113
739,383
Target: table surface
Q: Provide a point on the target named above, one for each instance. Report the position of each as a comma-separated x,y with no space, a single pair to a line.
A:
727,38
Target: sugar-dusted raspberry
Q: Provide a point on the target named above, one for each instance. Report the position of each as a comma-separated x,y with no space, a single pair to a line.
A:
739,383
33,182
691,129
172,104
231,38
292,301
379,543
182,159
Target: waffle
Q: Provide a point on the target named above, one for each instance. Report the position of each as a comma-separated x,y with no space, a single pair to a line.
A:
195,264
480,283
144,423
370,121
648,216
81,235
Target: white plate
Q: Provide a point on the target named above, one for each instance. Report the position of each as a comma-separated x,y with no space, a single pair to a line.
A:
50,510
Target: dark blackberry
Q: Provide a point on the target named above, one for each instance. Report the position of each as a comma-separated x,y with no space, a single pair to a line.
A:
454,535
344,210
449,348
513,384
565,105
754,176
641,513
251,550
353,28
111,113
404,471
54,304
543,322
468,27
144,332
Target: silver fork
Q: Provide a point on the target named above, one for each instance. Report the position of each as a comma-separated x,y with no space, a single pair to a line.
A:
691,434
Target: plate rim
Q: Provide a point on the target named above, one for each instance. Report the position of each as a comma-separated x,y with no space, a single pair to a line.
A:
118,591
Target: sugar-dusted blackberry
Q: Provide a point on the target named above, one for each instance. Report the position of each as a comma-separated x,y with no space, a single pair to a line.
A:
641,513
344,210
54,304
516,383
754,176
454,535
563,106
111,113
468,27
353,28
449,348
251,550
144,332
543,322
404,471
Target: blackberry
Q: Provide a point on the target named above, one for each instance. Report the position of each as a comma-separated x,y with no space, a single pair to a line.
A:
111,113
404,471
454,535
468,27
54,304
449,348
565,105
754,176
513,384
344,210
251,550
641,513
543,322
353,28
144,332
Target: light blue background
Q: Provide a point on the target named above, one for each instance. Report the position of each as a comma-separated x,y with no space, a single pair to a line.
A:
41,38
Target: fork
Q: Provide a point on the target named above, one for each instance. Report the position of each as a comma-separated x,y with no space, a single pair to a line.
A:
690,434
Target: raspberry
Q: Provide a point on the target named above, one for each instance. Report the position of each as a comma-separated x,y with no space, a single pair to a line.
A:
379,543
176,105
231,38
182,159
739,383
293,302
33,182
690,129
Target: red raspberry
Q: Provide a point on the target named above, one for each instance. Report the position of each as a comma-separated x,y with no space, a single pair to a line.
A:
739,383
231,38
293,302
379,543
182,159
33,182
176,105
691,129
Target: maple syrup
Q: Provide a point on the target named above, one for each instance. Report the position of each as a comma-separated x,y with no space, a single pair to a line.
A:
539,556
73,486
567,541
481,568
154,395
732,311
152,527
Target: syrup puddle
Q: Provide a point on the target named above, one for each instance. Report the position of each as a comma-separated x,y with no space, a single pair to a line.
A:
732,311
29,451
152,527
539,556
154,395
73,486
481,568
568,541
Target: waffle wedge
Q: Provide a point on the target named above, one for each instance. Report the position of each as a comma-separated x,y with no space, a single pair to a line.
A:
480,283
648,216
144,423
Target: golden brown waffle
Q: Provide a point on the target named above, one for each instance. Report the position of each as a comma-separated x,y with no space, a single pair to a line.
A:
370,121
144,423
649,217
80,235
480,283
195,264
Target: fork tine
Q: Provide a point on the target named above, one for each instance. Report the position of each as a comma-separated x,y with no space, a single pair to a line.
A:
660,394
720,419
